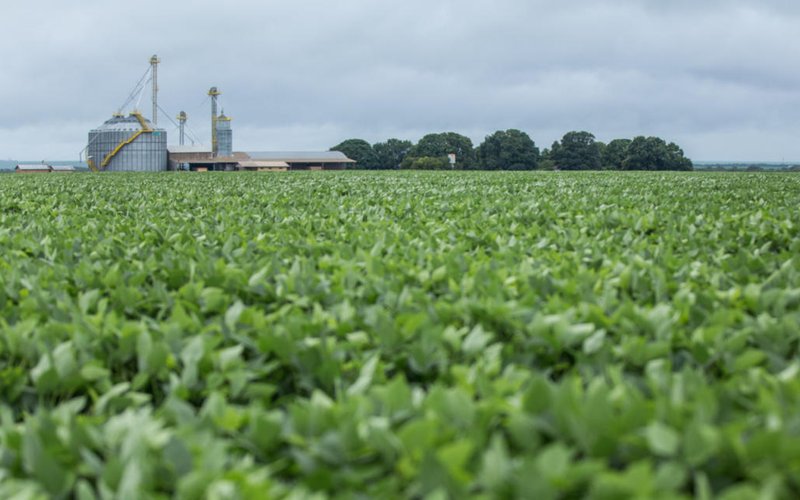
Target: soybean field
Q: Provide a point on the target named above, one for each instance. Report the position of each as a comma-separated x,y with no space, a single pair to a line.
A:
547,335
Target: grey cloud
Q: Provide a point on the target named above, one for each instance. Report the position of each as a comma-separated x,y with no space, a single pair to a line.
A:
715,76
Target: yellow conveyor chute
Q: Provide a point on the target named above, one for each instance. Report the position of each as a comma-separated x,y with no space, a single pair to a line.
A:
110,156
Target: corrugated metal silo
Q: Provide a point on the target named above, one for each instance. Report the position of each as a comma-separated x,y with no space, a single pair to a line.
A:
224,136
128,143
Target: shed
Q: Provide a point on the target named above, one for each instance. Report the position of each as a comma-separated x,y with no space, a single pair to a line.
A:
305,160
263,166
62,169
201,159
36,168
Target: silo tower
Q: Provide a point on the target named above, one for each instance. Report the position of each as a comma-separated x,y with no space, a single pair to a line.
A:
224,135
182,117
127,143
214,93
132,142
154,75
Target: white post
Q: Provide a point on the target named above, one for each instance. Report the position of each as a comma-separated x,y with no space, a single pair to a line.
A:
154,63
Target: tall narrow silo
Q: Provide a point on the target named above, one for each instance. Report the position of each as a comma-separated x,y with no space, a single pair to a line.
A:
128,143
224,136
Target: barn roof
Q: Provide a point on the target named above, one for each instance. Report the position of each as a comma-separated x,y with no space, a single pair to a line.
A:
34,166
263,164
301,156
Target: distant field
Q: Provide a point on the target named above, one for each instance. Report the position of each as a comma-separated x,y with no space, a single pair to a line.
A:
397,335
746,166
8,165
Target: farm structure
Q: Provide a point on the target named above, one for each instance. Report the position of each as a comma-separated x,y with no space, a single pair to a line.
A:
41,168
199,159
127,143
32,169
132,142
62,169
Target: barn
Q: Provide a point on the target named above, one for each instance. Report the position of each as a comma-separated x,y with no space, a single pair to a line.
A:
36,168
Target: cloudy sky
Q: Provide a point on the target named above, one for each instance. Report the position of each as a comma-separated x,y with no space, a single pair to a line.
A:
719,77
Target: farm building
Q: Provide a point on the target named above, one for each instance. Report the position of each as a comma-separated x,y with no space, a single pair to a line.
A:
134,143
202,159
305,160
62,169
221,157
127,143
263,166
36,168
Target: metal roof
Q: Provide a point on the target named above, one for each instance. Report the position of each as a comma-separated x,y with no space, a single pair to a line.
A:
124,123
62,168
199,148
202,157
35,166
301,156
263,164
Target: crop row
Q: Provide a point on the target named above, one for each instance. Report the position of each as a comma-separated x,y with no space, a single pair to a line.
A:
353,335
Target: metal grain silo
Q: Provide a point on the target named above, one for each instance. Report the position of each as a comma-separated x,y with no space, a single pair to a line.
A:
128,143
224,136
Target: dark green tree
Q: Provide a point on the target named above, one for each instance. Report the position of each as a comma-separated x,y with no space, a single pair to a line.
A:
358,150
614,154
438,145
426,163
546,159
390,154
577,151
550,154
508,150
645,153
653,153
677,160
601,148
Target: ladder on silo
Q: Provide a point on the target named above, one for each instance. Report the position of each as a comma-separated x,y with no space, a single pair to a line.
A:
110,156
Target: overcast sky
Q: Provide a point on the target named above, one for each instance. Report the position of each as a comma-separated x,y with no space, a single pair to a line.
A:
719,77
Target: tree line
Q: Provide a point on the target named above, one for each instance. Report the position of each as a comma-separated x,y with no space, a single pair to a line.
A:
514,150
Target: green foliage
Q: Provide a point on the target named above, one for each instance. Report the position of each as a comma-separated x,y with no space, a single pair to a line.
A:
576,151
426,163
653,153
514,150
390,154
441,145
508,150
360,151
400,335
676,159
614,154
546,164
